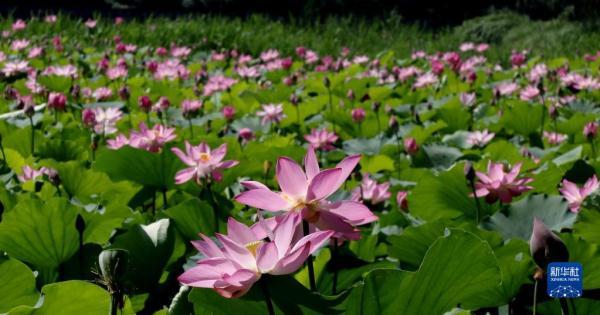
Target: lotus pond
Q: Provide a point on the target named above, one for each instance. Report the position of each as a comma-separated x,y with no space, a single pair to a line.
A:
177,179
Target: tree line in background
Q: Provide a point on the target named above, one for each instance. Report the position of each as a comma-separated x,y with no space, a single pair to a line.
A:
428,12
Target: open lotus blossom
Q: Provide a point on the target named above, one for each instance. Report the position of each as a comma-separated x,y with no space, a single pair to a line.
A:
506,88
480,138
202,162
218,83
321,139
118,142
425,80
151,139
247,253
575,195
554,138
272,113
29,173
14,67
529,93
497,184
307,191
105,120
467,99
371,191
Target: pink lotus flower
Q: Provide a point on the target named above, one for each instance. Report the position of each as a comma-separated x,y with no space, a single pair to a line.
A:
202,162
218,83
322,139
402,200
106,119
19,25
102,93
480,138
590,130
497,184
575,195
50,19
190,107
90,23
151,139
554,138
61,71
370,190
29,173
467,46
228,112
517,59
425,80
118,142
269,55
14,67
467,99
529,93
57,101
19,44
307,193
358,115
410,146
247,253
506,88
246,135
272,113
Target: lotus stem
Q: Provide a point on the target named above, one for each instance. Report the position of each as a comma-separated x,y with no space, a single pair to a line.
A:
265,290
309,261
477,204
334,261
535,289
32,136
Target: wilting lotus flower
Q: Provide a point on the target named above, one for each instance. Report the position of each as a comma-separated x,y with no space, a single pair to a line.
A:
554,138
272,113
575,195
307,193
545,246
202,162
247,253
370,190
480,138
497,184
321,139
151,139
106,119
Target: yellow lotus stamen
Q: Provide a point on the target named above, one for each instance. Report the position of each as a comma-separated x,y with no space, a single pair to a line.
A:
252,247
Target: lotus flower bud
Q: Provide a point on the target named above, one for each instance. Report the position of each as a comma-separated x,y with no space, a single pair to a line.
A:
53,176
294,99
402,200
286,63
590,130
75,91
350,95
228,112
145,103
28,109
545,246
124,93
57,101
246,134
88,116
365,97
11,93
376,106
113,266
326,82
410,146
358,115
393,122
